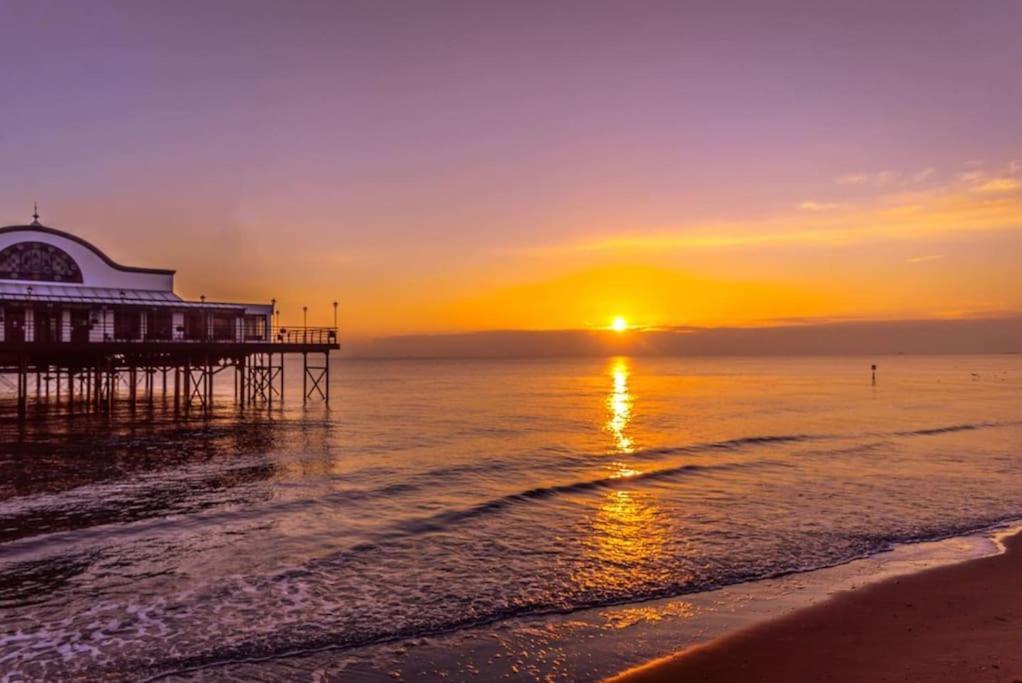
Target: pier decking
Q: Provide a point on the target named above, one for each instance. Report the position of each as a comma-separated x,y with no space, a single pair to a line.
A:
76,326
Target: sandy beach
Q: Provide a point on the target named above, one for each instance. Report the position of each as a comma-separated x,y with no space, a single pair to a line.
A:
956,623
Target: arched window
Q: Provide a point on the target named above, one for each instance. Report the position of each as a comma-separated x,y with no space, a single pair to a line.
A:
38,261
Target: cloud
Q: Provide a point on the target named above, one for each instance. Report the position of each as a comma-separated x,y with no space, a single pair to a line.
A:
874,178
818,206
887,178
918,214
1000,185
982,180
971,176
924,259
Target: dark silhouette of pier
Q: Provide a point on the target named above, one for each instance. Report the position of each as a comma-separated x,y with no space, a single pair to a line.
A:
89,375
77,327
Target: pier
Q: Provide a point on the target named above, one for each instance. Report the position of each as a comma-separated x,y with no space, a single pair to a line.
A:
79,329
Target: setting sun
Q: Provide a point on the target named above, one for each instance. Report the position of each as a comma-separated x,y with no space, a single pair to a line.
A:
619,324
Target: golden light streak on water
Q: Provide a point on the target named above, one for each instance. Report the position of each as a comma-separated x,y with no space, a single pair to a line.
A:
619,404
627,537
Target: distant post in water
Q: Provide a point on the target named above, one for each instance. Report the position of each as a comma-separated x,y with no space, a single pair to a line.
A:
874,370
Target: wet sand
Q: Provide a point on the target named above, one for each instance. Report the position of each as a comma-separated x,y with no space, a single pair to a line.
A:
957,623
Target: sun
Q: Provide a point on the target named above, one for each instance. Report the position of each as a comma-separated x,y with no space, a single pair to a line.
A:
619,324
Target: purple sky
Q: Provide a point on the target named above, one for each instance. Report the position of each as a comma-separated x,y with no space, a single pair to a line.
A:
430,163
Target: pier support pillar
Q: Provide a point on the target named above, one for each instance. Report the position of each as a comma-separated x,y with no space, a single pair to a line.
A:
22,387
177,389
240,372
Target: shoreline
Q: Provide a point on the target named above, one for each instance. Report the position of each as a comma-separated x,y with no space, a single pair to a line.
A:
954,622
598,642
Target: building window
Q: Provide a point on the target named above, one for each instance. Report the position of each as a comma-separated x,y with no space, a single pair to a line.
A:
14,324
127,324
47,325
195,326
81,325
223,327
161,325
255,327
38,261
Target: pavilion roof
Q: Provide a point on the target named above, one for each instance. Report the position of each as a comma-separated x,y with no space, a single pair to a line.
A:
37,291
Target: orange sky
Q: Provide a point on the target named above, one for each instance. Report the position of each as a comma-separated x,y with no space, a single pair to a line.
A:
903,249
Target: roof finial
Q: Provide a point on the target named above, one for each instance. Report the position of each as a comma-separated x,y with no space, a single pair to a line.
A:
35,213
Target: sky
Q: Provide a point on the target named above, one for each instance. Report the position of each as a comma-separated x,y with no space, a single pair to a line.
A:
448,167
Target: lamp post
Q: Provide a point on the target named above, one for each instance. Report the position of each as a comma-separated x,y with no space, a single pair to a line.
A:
335,315
305,324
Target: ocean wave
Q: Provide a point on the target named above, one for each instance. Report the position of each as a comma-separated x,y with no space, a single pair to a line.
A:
439,521
151,496
265,651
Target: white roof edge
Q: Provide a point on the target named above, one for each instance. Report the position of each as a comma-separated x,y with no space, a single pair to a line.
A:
145,303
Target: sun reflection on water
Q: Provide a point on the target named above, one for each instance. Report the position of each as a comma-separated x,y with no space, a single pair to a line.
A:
619,403
627,539
628,533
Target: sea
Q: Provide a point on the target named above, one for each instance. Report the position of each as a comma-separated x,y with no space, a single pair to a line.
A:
554,519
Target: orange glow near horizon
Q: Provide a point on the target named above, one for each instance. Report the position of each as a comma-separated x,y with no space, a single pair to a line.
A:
938,252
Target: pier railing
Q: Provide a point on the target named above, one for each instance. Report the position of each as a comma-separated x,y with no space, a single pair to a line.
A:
54,332
305,335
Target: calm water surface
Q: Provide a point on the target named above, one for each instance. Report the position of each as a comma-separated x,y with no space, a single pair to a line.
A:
435,497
